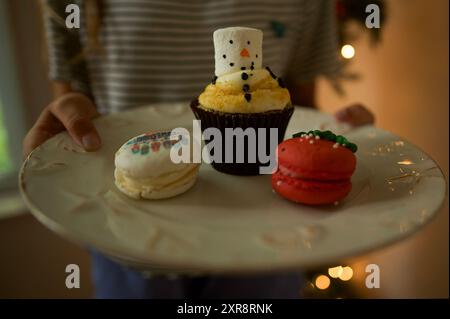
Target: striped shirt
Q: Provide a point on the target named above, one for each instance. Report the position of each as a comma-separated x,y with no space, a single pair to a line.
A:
162,50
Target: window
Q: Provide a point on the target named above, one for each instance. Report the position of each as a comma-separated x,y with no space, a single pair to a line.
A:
5,159
12,120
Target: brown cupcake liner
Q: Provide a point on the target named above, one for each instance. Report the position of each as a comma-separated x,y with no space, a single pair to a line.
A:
221,120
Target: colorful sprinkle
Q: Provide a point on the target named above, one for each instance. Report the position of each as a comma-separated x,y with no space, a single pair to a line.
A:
145,149
135,149
155,146
168,144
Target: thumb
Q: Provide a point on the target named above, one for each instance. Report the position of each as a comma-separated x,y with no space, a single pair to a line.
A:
75,111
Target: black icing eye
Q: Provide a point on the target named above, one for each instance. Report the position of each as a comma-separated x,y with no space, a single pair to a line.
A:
231,41
231,64
224,56
248,42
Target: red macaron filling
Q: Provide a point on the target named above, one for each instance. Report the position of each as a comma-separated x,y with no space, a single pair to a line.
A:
310,191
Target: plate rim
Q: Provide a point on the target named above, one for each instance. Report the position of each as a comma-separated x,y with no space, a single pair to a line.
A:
180,266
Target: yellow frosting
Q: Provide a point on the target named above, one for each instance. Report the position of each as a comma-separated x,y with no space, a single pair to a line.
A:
227,95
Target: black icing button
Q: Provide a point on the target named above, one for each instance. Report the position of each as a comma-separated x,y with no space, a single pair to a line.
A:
248,96
244,76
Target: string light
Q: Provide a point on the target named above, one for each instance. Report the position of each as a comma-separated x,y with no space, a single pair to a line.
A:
335,272
347,273
322,282
348,51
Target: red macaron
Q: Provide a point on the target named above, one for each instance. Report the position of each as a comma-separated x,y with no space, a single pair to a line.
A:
313,170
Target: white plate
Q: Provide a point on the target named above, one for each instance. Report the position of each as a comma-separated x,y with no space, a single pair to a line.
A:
228,223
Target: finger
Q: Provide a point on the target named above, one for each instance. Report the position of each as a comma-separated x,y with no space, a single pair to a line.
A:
342,115
76,113
359,115
355,115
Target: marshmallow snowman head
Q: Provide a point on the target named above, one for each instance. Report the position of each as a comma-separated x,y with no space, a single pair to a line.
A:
236,49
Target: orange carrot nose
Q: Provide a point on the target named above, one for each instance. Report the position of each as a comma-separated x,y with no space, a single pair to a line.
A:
244,52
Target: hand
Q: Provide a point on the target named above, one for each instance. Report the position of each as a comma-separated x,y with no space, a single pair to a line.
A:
355,115
72,112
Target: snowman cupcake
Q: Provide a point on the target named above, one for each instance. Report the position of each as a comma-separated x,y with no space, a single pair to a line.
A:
243,95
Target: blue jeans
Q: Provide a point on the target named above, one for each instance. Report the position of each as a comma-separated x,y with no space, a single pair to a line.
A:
111,280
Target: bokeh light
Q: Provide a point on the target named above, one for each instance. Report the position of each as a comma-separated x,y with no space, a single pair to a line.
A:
335,272
322,282
347,273
348,51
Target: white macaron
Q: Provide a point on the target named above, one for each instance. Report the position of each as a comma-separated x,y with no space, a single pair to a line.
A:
144,168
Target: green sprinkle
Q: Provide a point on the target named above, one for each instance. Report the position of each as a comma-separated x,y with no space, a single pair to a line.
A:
341,140
352,147
330,136
317,133
299,134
